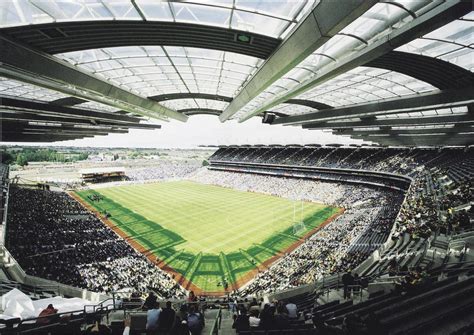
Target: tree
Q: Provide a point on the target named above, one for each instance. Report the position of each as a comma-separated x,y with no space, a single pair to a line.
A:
82,156
7,158
21,160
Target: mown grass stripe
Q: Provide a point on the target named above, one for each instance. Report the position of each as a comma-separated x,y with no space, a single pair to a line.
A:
207,232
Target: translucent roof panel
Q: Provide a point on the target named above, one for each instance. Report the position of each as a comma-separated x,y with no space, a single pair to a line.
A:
211,104
149,71
273,18
21,90
453,43
180,104
18,89
380,20
430,126
292,109
363,84
97,106
420,114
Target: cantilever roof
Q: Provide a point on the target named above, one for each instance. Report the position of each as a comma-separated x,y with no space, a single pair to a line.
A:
272,18
303,60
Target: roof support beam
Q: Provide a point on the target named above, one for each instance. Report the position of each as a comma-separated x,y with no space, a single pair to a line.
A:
53,132
409,121
69,101
431,140
18,126
39,138
418,131
434,19
196,111
308,103
35,106
10,115
176,96
410,103
85,35
22,63
324,21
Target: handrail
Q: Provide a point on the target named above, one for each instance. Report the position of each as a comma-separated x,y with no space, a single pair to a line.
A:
217,323
455,244
81,313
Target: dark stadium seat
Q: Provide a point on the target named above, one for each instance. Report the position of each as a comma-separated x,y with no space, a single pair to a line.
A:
138,322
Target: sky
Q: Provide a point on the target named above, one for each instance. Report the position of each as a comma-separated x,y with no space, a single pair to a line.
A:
208,130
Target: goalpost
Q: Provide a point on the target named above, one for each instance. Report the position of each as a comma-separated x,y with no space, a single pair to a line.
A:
298,226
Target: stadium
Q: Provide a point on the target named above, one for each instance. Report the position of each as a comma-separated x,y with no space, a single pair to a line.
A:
259,167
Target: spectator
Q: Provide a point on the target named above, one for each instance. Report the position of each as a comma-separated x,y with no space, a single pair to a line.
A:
254,321
47,316
282,321
292,310
149,301
347,280
254,305
241,320
152,317
99,328
181,324
267,317
192,297
195,320
167,319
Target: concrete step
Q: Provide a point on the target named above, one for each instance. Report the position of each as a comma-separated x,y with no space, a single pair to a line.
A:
226,322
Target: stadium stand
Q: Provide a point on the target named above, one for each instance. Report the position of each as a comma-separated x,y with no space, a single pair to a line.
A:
166,170
394,75
52,236
405,250
4,193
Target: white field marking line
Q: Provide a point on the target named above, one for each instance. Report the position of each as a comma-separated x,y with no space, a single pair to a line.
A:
205,202
206,210
212,229
147,206
212,209
216,208
213,237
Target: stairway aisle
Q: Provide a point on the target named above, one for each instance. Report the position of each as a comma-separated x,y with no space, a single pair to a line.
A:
226,323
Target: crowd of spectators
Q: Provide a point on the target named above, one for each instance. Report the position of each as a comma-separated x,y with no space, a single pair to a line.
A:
326,252
73,247
52,236
165,170
458,195
421,213
334,194
261,315
4,188
404,161
424,212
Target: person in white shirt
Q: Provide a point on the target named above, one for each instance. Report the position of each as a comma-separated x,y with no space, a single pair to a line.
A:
292,310
254,320
152,317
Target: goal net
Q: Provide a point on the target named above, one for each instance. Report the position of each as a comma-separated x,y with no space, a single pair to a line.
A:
298,228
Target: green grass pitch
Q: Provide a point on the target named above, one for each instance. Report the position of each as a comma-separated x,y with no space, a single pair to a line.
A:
207,233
